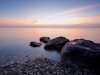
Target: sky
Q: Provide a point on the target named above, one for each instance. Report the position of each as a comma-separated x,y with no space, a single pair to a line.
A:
49,13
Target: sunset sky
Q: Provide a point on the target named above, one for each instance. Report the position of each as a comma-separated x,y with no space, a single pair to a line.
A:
38,13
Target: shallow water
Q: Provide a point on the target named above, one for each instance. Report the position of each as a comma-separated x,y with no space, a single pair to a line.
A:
14,42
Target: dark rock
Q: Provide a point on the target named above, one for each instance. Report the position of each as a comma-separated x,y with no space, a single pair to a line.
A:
56,43
83,42
35,44
44,39
80,53
98,46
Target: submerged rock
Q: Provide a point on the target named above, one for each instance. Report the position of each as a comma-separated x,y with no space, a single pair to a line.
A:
80,53
35,44
44,39
56,43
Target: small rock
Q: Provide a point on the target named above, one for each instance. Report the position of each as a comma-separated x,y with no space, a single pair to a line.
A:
44,39
35,44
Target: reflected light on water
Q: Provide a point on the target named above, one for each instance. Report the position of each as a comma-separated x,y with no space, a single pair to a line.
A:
15,41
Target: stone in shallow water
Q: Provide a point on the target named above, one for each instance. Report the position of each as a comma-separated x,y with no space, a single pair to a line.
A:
44,39
56,43
35,44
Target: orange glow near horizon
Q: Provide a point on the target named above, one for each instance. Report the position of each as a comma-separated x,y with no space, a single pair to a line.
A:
68,17
69,21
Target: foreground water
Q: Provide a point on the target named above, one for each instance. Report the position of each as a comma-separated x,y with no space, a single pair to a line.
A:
14,42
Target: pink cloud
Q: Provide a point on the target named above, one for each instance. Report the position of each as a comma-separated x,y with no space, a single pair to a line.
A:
89,19
5,21
77,9
19,20
94,17
87,7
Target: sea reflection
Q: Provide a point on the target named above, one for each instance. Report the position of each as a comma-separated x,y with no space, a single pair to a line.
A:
14,42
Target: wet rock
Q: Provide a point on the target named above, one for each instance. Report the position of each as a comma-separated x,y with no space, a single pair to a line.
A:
76,56
35,44
44,39
56,43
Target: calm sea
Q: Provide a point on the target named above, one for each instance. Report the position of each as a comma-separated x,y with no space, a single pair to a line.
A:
14,42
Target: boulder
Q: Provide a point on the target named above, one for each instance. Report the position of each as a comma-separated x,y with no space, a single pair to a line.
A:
98,46
44,39
35,44
84,42
56,43
80,53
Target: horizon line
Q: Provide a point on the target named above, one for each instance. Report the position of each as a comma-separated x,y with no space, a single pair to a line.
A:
49,27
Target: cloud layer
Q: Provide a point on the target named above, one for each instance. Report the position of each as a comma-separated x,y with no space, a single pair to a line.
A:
64,18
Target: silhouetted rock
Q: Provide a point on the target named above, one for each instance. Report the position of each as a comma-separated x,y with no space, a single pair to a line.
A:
35,44
80,53
44,39
83,42
56,43
98,44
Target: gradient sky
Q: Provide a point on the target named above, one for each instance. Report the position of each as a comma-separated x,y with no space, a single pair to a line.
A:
20,13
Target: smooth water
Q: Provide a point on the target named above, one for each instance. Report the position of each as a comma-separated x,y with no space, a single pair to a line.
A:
14,42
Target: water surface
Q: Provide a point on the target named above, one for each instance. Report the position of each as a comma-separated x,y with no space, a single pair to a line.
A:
14,42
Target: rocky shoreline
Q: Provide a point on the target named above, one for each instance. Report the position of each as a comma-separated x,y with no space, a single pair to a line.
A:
78,57
42,66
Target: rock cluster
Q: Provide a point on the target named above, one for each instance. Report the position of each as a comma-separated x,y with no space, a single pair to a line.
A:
41,66
78,54
75,53
42,39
